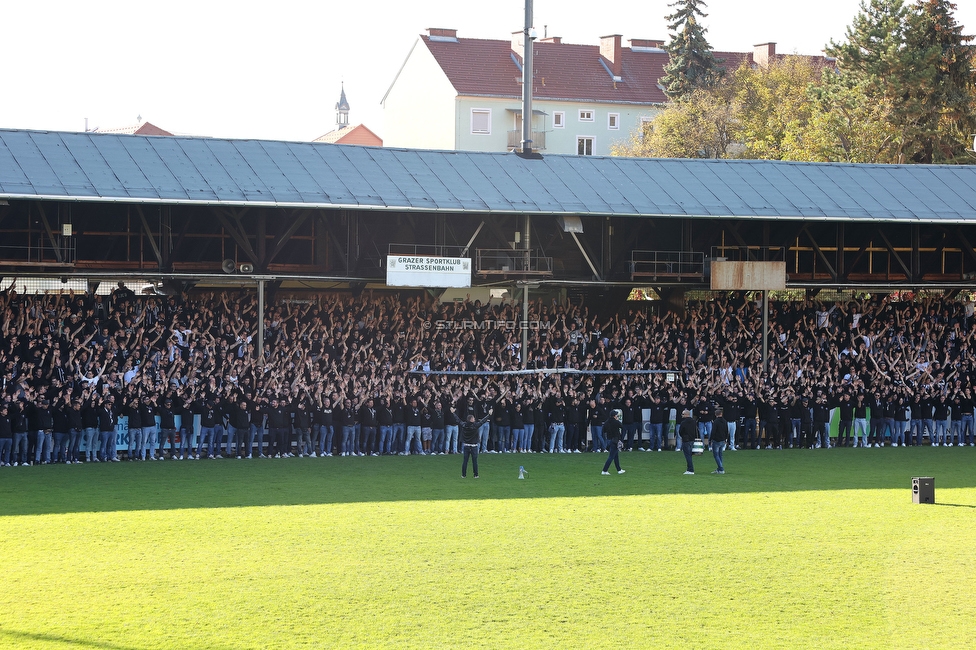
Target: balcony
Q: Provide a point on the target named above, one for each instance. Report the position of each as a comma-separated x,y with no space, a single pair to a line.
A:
39,251
538,140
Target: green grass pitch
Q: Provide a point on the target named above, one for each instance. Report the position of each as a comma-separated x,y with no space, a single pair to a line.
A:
790,549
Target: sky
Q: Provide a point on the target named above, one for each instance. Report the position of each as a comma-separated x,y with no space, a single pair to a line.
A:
273,70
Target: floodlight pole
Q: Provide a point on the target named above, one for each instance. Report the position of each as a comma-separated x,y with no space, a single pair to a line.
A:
525,325
261,321
765,357
527,39
525,293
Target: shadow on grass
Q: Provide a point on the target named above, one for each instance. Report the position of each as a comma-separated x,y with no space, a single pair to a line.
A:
17,637
955,505
168,485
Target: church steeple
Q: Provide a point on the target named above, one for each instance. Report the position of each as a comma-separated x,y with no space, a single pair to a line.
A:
342,110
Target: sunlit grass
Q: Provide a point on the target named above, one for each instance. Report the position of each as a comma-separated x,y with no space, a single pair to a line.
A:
789,549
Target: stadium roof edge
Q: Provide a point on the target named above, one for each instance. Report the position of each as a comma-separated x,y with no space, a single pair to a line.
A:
119,168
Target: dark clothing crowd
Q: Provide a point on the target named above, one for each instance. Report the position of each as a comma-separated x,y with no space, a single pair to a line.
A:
361,375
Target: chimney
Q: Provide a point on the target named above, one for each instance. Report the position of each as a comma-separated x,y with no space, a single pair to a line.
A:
763,54
442,34
517,44
555,40
610,50
644,44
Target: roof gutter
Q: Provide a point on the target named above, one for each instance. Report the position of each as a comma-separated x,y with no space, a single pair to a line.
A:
513,210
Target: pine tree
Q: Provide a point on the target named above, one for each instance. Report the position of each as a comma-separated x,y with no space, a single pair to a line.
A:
691,65
915,61
943,96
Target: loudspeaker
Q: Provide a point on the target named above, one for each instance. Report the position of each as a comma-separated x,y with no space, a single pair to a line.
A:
247,267
923,489
228,266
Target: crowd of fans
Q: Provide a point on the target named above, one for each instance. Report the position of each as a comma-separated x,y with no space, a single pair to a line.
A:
355,376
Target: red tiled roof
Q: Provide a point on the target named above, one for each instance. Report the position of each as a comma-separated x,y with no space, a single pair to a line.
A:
146,128
358,134
562,71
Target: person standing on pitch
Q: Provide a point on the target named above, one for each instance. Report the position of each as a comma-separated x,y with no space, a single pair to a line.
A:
611,433
720,436
470,440
687,431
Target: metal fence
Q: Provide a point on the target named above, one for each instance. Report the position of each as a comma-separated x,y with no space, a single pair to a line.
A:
538,140
749,253
508,261
40,250
669,265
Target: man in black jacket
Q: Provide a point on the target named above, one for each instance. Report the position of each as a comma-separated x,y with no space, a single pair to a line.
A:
150,437
42,421
687,431
167,428
6,436
278,422
108,420
471,440
720,436
611,432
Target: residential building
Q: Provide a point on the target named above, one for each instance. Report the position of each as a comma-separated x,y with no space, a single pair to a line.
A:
465,93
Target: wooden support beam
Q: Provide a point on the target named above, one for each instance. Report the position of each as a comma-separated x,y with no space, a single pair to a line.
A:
891,251
333,241
586,257
180,238
966,246
50,234
857,257
234,229
262,243
820,254
841,233
152,240
502,239
285,237
628,245
737,236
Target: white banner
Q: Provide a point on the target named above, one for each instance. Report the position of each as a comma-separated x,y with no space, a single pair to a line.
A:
423,271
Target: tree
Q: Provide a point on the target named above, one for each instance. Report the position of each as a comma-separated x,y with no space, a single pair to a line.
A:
874,62
846,125
914,62
698,126
772,107
902,89
944,98
691,65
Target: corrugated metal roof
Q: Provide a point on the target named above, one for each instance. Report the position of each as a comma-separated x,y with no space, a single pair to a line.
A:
140,169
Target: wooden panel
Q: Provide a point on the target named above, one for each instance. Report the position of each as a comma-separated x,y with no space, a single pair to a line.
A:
748,276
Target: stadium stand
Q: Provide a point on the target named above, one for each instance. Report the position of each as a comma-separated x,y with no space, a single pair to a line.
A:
385,374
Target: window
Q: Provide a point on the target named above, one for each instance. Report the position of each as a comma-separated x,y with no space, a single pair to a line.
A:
585,116
481,121
646,126
558,119
584,145
613,121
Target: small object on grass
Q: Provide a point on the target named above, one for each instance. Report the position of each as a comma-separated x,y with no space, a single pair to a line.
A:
522,472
